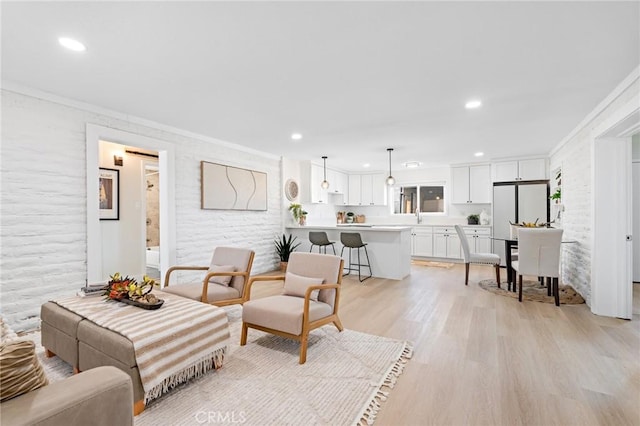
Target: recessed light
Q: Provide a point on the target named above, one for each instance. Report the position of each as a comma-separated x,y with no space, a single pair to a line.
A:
72,44
473,104
296,136
366,165
479,154
412,164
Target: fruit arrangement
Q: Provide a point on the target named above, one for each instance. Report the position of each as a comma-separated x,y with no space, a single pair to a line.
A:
533,224
120,287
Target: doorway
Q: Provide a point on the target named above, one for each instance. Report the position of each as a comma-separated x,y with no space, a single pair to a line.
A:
612,250
166,165
151,189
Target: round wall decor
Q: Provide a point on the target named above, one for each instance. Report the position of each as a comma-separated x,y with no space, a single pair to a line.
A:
291,189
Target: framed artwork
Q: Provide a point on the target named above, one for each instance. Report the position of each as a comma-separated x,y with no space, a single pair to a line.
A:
232,188
109,194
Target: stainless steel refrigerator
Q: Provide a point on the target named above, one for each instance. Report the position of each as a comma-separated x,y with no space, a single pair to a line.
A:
516,202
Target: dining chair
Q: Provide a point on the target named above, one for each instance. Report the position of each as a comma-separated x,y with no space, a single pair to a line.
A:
539,256
479,258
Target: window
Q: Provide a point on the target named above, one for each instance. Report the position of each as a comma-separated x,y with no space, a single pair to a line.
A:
427,198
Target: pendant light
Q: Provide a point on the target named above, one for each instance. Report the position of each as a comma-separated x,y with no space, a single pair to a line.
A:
325,184
390,179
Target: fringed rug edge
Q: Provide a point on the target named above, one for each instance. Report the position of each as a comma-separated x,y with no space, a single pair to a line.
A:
367,415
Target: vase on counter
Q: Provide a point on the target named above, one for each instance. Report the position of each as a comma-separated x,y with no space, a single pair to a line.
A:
303,220
484,217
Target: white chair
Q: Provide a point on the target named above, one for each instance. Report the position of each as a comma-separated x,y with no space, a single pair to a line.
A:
539,255
480,258
310,300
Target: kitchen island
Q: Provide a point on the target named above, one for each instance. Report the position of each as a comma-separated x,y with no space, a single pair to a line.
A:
389,247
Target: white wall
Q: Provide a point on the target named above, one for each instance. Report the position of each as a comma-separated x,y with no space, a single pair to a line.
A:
43,202
574,155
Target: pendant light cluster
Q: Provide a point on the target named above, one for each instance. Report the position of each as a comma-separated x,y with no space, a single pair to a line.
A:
325,184
390,180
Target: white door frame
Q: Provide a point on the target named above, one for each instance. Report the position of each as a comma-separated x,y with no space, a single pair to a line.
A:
166,163
611,266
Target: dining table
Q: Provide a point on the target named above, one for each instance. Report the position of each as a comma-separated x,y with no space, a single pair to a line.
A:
509,244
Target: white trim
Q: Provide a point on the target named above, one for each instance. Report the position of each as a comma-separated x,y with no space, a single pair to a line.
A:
620,89
47,96
166,161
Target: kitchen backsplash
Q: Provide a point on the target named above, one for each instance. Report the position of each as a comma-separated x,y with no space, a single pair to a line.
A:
325,215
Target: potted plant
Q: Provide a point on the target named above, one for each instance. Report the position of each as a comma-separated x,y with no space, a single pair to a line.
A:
557,196
473,219
284,247
350,217
299,215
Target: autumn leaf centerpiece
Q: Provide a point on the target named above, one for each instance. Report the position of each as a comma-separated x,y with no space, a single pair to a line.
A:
120,288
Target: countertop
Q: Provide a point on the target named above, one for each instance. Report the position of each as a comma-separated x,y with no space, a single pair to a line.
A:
358,226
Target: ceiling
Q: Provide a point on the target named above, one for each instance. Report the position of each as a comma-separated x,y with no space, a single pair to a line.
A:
354,78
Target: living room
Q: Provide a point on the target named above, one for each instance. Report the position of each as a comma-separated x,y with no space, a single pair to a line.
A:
52,235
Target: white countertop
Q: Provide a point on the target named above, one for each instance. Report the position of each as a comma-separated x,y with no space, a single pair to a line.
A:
381,227
359,227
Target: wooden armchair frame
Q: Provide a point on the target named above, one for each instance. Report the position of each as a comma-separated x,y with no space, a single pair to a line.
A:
307,325
205,282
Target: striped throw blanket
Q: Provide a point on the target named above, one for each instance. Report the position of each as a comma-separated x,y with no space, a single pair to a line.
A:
181,340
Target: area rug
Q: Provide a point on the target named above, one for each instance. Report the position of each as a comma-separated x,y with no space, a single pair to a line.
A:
346,378
432,263
532,290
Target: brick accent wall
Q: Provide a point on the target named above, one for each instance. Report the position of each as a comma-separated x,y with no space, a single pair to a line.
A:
43,203
575,159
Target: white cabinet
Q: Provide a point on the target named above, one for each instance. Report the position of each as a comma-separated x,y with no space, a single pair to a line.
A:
446,243
422,241
479,239
338,187
355,183
367,190
318,194
471,184
507,171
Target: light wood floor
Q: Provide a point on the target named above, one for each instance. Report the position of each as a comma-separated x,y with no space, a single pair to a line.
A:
485,359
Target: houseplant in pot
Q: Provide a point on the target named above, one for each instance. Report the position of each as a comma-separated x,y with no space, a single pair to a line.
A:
473,219
284,247
299,215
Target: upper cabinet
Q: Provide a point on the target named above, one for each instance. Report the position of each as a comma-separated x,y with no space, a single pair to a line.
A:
312,175
338,187
367,190
318,194
471,184
508,171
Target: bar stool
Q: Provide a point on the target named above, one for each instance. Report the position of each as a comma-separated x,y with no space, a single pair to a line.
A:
353,240
321,240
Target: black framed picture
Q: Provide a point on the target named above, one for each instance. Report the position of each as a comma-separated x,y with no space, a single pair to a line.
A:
109,194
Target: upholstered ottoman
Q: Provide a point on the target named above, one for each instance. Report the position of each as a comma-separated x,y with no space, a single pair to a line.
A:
60,333
74,329
98,347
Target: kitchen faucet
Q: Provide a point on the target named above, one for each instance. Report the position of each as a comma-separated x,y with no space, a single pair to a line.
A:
418,215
